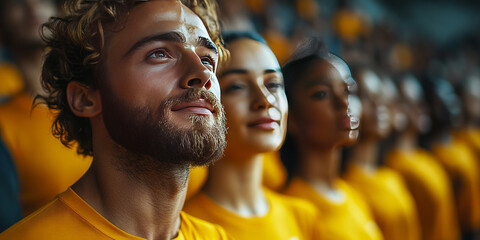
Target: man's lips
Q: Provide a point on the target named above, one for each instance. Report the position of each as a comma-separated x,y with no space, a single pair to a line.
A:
264,123
200,106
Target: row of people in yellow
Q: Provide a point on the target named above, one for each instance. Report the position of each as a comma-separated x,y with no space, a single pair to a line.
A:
372,202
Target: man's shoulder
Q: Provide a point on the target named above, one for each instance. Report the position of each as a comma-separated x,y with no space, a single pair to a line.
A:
47,222
61,218
195,228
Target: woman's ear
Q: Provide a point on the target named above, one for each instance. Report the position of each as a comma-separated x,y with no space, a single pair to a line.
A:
84,101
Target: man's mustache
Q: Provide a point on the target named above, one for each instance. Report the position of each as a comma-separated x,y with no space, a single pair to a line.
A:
193,94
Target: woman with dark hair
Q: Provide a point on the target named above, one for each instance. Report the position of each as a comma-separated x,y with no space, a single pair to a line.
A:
253,96
323,118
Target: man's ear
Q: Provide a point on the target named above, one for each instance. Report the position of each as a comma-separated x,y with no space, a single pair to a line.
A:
84,101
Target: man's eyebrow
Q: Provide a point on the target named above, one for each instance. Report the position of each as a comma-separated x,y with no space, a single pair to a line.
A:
205,42
169,36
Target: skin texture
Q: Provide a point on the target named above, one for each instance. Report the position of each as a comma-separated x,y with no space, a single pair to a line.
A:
139,77
256,110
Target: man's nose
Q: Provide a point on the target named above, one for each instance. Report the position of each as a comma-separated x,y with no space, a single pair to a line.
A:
197,74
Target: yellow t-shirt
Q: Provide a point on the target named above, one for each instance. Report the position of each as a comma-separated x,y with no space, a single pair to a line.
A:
274,173
287,218
462,168
430,187
346,220
11,82
196,178
392,205
69,217
471,137
45,167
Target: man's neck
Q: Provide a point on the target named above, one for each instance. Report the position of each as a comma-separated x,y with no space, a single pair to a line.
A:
236,184
147,206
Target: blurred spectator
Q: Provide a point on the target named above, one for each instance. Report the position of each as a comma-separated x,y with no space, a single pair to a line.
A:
45,167
322,120
425,178
454,155
383,189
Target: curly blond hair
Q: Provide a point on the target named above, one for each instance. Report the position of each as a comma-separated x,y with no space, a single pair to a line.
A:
74,42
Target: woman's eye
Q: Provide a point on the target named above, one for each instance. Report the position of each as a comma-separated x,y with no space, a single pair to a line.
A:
319,95
274,85
234,87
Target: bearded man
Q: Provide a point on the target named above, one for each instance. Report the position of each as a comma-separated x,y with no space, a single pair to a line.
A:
133,85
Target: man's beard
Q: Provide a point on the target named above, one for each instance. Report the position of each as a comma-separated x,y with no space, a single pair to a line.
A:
150,140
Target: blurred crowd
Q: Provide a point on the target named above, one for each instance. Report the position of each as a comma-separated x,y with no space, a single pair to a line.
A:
417,101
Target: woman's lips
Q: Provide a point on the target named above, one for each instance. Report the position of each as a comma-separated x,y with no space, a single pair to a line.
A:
264,124
200,107
354,122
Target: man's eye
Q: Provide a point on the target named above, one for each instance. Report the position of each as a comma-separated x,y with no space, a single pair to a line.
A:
208,61
158,54
319,95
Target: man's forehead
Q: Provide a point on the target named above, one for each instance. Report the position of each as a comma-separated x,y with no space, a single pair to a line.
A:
167,15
